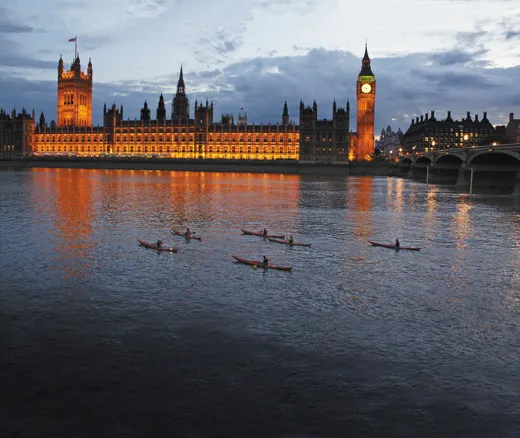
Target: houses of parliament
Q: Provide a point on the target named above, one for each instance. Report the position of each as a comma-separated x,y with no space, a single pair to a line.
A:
182,136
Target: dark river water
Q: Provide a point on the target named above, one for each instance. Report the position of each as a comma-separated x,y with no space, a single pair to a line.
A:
102,337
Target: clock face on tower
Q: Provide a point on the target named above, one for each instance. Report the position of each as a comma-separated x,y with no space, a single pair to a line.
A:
366,88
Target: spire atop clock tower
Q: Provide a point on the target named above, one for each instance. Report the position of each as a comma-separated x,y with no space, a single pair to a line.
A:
366,70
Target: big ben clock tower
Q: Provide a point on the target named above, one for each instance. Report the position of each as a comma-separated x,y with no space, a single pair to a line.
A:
366,96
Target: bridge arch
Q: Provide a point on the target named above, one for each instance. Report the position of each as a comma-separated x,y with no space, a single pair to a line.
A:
494,157
423,161
449,159
405,161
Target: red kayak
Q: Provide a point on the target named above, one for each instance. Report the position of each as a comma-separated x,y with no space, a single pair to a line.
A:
391,246
255,233
261,265
154,246
288,243
187,237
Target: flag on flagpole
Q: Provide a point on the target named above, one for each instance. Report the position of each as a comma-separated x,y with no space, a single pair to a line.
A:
72,40
242,108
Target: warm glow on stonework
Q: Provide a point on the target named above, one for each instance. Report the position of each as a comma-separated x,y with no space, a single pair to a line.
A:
168,142
182,137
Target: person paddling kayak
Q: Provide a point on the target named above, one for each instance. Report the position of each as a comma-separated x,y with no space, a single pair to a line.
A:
397,244
265,261
159,243
188,233
290,240
264,232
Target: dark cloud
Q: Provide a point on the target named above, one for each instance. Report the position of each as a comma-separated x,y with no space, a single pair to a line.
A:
512,34
12,57
8,25
406,86
453,57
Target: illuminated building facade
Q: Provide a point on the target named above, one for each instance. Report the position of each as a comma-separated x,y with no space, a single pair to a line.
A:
179,137
201,137
74,94
363,144
427,133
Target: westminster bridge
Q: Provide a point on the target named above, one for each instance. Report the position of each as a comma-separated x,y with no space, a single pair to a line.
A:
493,166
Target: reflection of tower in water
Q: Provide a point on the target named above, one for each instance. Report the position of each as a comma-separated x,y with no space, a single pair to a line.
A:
362,204
73,227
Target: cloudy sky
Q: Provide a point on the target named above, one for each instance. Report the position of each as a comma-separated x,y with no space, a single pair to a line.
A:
458,55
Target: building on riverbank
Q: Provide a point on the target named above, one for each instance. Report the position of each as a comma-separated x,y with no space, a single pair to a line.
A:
201,137
16,133
429,134
512,130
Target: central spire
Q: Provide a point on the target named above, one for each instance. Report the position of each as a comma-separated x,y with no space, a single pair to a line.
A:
180,83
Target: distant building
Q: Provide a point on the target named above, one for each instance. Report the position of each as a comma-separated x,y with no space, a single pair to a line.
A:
389,142
513,129
427,133
16,133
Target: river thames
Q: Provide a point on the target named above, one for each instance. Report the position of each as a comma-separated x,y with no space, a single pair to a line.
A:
102,337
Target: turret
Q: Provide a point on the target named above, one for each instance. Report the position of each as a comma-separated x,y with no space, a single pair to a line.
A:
145,113
161,110
60,67
285,114
42,121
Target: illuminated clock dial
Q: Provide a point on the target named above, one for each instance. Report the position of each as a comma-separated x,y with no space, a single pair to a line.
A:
366,88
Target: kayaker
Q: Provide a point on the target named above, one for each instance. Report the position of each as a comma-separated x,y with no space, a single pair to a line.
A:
265,261
159,243
188,232
264,232
397,244
290,240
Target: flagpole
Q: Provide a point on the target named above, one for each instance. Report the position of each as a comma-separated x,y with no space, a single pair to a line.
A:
75,47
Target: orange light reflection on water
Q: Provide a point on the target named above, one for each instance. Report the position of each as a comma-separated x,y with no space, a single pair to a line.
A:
362,204
73,196
89,204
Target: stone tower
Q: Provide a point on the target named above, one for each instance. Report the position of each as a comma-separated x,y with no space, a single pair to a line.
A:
74,94
366,97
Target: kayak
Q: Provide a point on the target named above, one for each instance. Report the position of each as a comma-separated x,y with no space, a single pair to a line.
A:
154,246
260,265
287,243
187,237
391,246
255,233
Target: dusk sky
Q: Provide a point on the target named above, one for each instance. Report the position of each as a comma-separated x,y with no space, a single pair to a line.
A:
458,55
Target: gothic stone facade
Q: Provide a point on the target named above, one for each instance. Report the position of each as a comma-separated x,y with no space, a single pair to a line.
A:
200,137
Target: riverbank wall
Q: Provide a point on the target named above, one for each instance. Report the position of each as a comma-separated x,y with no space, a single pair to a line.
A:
285,167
